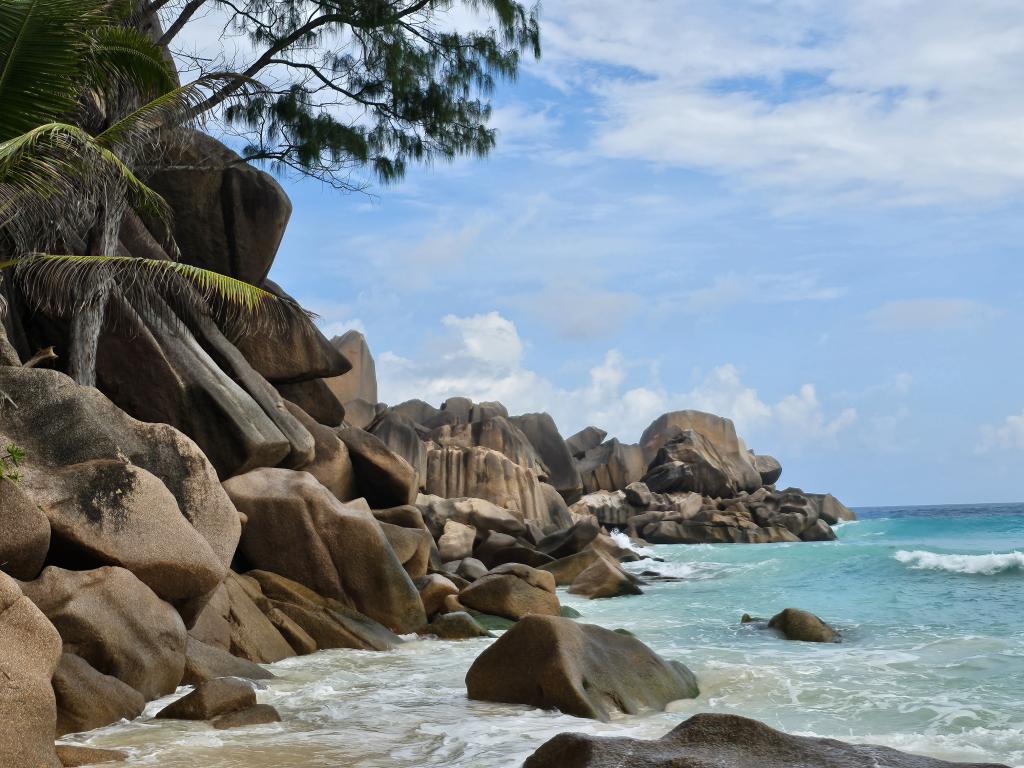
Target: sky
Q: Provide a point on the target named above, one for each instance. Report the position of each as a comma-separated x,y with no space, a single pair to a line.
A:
803,215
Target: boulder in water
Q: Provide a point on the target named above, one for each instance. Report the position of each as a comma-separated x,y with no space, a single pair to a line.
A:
724,741
580,669
795,624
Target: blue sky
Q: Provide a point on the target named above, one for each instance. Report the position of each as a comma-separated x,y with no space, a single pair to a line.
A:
803,215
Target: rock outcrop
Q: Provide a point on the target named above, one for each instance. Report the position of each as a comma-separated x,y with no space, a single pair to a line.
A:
360,383
88,699
514,591
26,533
30,654
543,434
724,741
298,529
579,669
611,466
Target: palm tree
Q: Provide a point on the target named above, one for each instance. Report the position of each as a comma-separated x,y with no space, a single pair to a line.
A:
82,95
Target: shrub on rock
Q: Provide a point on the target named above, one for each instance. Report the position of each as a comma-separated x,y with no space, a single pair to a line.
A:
580,669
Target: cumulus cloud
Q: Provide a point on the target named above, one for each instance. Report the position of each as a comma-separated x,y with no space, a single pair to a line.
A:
913,101
930,315
481,357
1007,436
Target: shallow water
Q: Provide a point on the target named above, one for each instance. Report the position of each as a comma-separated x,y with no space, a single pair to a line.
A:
930,602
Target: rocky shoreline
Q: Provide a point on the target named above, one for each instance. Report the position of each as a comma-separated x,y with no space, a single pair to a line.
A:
220,502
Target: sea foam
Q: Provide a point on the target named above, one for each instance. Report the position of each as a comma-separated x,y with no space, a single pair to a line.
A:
985,565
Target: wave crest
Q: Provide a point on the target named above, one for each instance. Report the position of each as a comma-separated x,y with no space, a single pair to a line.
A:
985,565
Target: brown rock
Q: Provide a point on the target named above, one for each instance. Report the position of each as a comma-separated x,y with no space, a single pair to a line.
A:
611,466
795,624
478,513
566,569
258,714
457,625
87,699
569,541
294,634
115,622
210,699
253,636
361,381
584,440
300,530
605,578
206,662
26,537
511,596
434,588
543,434
331,466
724,741
412,547
30,653
579,669
401,436
73,755
316,399
456,542
384,478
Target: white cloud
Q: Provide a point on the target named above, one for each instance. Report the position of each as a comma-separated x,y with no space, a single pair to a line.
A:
930,315
905,100
734,288
1007,436
481,357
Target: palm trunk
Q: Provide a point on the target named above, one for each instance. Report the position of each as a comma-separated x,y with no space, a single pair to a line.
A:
92,306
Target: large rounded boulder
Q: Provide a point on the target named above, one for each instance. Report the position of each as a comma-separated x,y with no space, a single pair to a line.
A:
724,741
580,669
115,622
297,528
29,653
513,591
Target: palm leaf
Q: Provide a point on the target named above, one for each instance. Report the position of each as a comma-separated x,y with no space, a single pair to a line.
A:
41,48
120,54
45,169
60,285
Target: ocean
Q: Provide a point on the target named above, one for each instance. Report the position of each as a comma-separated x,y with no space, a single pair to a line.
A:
929,600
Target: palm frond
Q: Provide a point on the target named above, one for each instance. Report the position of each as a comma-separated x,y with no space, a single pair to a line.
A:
52,165
119,54
41,48
62,285
169,110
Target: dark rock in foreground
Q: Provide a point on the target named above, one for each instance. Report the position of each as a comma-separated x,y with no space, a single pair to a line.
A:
724,741
579,669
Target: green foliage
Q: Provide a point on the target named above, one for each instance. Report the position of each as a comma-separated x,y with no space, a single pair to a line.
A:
10,460
373,83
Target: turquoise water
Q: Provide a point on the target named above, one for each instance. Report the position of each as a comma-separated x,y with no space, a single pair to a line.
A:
930,602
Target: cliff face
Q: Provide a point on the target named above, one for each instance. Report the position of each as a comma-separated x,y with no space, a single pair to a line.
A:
225,499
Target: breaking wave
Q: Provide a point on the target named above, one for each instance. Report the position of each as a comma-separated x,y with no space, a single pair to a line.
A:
985,565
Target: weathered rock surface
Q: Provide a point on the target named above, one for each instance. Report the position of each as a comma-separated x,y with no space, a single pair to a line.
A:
412,547
434,588
458,625
298,529
724,741
206,662
584,440
91,428
26,533
456,543
481,514
604,577
115,623
316,399
497,433
228,216
454,472
109,512
543,434
512,591
830,509
383,477
331,465
210,699
697,451
258,714
580,669
73,755
795,624
570,540
30,653
295,353
361,381
400,435
611,466
88,699
768,467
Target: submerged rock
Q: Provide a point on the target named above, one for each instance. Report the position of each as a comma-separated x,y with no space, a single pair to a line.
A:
458,625
579,669
724,741
795,624
73,755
